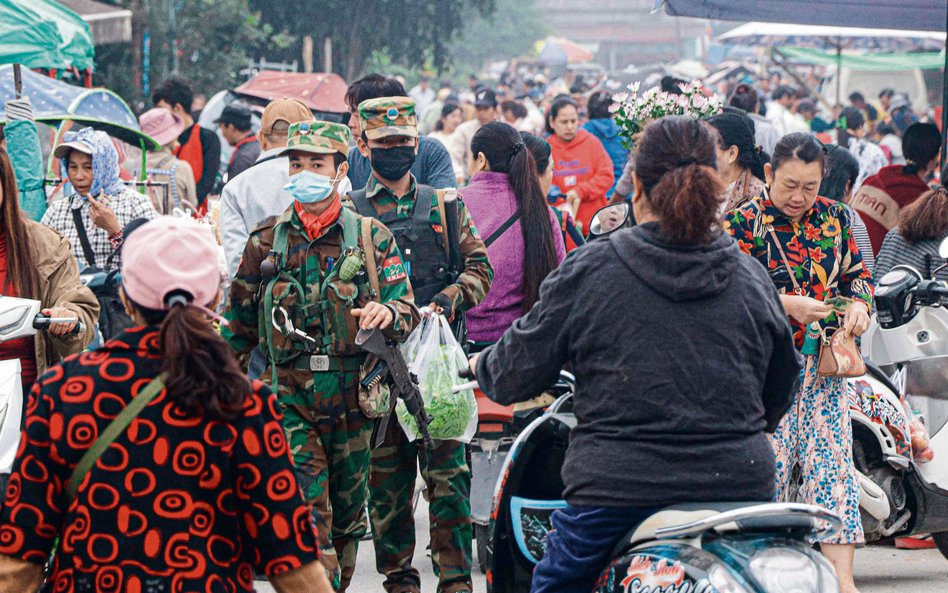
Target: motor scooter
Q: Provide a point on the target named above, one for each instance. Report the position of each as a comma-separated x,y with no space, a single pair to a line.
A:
907,347
497,428
19,318
688,548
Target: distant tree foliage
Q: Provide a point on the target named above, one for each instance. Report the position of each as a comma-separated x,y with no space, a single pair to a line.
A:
416,33
207,41
216,39
509,32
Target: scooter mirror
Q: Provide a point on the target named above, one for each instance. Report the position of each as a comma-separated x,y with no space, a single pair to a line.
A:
943,249
609,219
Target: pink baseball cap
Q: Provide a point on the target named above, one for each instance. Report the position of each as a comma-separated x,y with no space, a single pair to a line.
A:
162,125
168,254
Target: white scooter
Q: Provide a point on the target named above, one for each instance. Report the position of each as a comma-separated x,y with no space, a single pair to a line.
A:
907,346
19,318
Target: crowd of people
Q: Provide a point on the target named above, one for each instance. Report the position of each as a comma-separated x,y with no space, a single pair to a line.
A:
249,441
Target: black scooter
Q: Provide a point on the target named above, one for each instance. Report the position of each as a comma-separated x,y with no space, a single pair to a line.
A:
688,548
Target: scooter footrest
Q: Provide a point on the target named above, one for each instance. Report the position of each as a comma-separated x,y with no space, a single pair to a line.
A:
532,522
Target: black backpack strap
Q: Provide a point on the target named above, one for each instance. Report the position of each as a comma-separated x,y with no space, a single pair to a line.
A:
424,198
83,236
362,204
503,228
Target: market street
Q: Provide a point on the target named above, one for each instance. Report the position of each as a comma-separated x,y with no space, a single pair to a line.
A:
878,569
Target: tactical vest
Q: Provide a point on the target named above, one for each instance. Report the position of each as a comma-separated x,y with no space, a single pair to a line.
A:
285,294
422,247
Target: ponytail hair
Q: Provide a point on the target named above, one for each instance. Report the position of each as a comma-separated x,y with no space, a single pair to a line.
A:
675,163
736,128
506,153
201,373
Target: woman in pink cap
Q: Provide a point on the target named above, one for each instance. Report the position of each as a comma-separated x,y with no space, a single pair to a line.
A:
162,166
154,460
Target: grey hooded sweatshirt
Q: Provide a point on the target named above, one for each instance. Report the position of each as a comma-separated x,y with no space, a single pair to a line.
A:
683,358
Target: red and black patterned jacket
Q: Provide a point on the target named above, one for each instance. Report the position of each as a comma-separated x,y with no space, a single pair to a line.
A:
177,503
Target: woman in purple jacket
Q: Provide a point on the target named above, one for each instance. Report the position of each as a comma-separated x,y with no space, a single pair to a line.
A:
521,232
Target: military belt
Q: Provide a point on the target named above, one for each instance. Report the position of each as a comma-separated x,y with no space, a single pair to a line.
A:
320,363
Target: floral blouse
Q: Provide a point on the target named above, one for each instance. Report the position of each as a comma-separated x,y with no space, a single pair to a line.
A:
820,248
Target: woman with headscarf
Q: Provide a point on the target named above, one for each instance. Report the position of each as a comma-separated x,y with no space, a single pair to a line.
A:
36,263
93,216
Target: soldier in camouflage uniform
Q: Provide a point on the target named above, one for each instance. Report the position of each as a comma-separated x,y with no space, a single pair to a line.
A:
415,215
303,288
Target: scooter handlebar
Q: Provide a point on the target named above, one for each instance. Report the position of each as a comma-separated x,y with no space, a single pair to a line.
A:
43,323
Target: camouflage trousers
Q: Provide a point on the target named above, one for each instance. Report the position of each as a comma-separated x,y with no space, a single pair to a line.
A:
391,488
329,440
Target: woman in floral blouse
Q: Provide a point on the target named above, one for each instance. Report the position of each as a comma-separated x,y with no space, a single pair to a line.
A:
793,228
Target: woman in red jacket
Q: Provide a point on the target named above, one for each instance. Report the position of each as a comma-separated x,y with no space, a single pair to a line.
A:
582,168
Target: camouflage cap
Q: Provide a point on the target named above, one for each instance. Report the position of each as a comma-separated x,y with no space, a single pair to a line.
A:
319,137
388,116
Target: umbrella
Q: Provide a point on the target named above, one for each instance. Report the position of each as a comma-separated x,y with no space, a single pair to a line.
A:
55,101
320,91
912,15
837,39
44,34
557,51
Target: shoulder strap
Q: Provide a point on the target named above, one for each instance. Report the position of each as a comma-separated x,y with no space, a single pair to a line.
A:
112,432
786,263
503,228
281,236
362,203
83,236
368,248
421,215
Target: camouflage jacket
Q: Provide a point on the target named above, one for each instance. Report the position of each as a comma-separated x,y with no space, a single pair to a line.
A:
474,282
310,262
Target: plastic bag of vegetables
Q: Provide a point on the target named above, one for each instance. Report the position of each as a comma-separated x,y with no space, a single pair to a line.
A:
435,357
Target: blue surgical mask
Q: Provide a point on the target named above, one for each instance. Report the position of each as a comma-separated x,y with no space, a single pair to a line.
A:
307,187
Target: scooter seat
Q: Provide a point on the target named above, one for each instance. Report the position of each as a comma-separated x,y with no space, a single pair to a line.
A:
490,411
682,514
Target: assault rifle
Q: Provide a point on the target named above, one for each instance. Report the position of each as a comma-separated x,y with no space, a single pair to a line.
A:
455,260
404,384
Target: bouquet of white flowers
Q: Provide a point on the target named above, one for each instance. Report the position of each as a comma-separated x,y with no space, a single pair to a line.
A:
633,111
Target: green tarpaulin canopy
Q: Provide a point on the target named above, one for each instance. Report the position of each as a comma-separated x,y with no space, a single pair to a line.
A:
876,62
44,34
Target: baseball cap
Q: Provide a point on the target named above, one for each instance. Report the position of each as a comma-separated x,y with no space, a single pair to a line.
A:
168,254
162,125
289,110
62,151
236,114
317,137
485,98
388,116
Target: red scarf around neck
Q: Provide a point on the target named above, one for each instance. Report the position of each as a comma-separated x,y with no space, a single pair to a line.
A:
316,224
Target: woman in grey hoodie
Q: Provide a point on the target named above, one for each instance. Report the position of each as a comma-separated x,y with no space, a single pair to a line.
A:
682,352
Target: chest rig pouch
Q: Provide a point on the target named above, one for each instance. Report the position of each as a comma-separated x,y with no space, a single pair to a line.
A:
422,248
291,303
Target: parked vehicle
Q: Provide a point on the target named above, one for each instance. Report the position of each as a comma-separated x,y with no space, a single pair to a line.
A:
688,548
903,491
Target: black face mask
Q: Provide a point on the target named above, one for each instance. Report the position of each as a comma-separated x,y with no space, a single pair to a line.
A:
393,163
